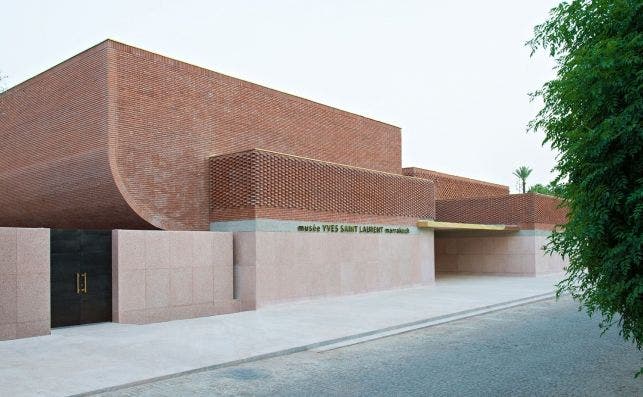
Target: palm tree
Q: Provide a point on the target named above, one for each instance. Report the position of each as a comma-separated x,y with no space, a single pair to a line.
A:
522,173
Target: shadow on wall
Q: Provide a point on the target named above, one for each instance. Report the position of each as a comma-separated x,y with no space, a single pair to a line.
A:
517,253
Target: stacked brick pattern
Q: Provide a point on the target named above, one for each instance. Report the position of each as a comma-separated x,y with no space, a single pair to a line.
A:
454,187
118,137
529,210
54,165
172,116
260,183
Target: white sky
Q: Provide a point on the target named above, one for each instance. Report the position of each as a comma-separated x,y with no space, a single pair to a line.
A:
454,75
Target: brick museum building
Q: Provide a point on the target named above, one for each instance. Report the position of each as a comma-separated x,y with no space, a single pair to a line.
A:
136,188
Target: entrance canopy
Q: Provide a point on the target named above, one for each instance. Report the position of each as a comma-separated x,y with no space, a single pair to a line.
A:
431,224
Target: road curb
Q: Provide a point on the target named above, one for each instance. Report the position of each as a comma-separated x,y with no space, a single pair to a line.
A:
336,343
401,329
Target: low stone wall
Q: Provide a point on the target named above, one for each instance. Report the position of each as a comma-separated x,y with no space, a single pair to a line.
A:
24,283
273,267
546,263
517,253
162,275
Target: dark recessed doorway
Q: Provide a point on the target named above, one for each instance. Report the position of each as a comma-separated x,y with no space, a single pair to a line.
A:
81,277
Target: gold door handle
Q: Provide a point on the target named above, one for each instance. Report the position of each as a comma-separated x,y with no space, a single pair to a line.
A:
78,289
84,282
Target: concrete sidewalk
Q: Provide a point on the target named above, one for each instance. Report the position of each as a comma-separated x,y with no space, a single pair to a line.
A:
86,358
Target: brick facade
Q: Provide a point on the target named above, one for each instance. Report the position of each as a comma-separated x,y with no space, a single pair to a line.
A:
118,137
455,187
172,116
264,184
54,165
529,211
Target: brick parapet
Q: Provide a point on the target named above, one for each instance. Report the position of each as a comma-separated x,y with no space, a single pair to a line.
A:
529,211
456,187
264,184
201,71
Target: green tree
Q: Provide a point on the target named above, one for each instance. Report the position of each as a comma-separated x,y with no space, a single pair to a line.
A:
523,173
539,188
552,189
591,115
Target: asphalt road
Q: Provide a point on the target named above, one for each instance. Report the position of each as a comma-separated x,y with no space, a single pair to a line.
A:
541,349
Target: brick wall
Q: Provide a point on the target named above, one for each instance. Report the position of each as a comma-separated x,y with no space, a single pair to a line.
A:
172,116
453,187
54,165
118,137
530,210
263,184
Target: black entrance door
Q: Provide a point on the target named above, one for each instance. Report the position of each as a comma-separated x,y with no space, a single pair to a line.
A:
81,276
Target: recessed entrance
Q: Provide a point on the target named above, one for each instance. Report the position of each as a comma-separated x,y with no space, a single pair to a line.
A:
81,277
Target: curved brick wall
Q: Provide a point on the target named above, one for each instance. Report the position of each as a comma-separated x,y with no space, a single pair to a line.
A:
263,184
172,116
54,164
530,210
118,137
453,187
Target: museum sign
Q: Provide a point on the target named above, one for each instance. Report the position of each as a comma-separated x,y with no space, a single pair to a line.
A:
335,228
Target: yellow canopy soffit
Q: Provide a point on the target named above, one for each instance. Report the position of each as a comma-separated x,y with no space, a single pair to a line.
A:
427,223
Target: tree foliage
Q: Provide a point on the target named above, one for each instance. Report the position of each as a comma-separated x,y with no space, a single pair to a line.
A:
523,173
552,189
591,114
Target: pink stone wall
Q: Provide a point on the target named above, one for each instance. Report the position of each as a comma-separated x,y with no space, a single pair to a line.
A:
273,267
513,254
24,283
161,275
548,263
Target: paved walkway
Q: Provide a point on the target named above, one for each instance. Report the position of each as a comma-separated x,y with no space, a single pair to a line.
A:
546,348
85,358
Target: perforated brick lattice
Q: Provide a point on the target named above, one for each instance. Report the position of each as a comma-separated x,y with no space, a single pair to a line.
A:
454,187
301,188
529,210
